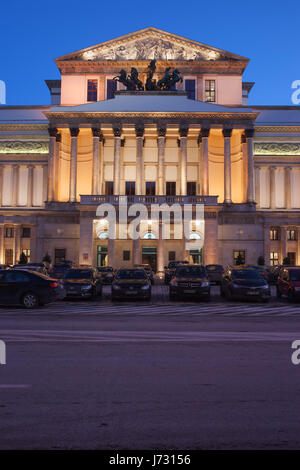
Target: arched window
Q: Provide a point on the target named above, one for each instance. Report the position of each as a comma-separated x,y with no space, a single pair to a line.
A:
195,236
149,236
103,235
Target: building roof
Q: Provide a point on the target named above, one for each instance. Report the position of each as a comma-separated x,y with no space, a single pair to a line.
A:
281,115
23,114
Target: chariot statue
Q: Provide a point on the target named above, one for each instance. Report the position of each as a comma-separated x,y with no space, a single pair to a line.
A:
168,80
150,83
131,82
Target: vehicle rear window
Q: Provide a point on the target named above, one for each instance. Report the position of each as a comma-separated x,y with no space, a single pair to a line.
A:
246,274
131,274
214,267
295,275
191,271
78,274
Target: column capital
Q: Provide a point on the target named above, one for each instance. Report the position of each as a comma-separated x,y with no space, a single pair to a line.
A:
161,131
58,137
139,131
96,131
30,166
249,133
52,131
183,131
227,132
205,132
117,131
288,168
74,131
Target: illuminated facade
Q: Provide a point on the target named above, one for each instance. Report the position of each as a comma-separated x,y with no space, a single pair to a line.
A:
199,143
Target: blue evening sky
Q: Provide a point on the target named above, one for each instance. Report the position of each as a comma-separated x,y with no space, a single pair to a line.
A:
34,32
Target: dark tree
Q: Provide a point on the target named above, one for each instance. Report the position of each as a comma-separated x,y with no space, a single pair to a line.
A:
239,260
260,261
23,258
286,261
47,258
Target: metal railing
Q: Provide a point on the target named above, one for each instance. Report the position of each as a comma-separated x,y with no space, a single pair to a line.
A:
101,199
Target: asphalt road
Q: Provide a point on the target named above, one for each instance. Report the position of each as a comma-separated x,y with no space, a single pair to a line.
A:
83,375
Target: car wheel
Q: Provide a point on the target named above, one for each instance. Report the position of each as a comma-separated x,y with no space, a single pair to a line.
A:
207,297
290,296
222,293
172,297
278,293
30,300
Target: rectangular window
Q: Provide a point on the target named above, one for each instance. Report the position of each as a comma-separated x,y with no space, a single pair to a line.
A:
210,91
239,257
274,258
92,90
191,188
9,256
170,188
150,188
130,188
274,234
25,233
190,87
109,188
111,87
291,235
59,255
27,254
172,255
9,232
126,255
292,258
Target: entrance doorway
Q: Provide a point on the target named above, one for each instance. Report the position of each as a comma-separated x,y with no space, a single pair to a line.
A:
149,256
196,256
292,257
102,255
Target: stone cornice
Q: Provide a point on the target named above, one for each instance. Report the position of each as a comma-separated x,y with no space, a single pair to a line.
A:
16,147
276,148
278,129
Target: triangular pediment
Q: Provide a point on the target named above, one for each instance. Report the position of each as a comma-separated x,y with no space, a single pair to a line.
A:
148,44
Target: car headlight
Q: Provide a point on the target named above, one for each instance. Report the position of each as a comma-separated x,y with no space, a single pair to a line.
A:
234,285
145,287
116,286
266,286
205,283
173,283
88,287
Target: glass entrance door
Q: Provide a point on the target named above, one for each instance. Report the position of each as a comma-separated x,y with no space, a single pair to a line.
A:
101,255
149,256
196,256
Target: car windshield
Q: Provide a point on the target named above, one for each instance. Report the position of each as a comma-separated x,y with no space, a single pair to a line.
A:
190,271
173,264
295,275
245,274
131,274
78,274
104,270
214,267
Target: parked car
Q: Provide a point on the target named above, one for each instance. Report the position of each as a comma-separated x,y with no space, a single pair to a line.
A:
82,283
171,268
131,283
5,266
264,270
273,273
288,283
189,280
58,271
241,282
28,288
106,274
215,272
38,267
148,270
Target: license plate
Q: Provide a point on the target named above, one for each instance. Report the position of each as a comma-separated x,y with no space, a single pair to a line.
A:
131,292
189,291
252,292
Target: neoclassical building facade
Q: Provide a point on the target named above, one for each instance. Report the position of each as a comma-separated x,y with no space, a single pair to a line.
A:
198,143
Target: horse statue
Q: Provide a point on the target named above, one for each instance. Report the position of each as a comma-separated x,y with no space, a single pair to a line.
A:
165,82
176,77
134,77
150,84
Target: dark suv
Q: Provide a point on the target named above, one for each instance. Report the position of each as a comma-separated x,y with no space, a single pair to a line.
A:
82,282
288,282
189,280
171,268
241,282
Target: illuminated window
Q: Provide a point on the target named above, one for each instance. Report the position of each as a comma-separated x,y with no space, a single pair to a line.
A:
274,258
103,235
195,236
274,234
130,188
150,188
170,188
190,87
9,232
9,255
92,90
111,87
109,188
191,188
239,257
149,236
210,90
291,235
26,252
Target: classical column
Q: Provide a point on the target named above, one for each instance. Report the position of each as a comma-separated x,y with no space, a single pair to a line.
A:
160,249
161,141
272,170
45,182
33,244
2,261
17,243
86,239
111,252
199,183
117,159
250,165
101,150
51,162
1,183
245,166
30,185
96,160
287,181
15,185
136,251
267,244
74,131
204,161
139,130
183,132
56,166
283,243
257,186
227,165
